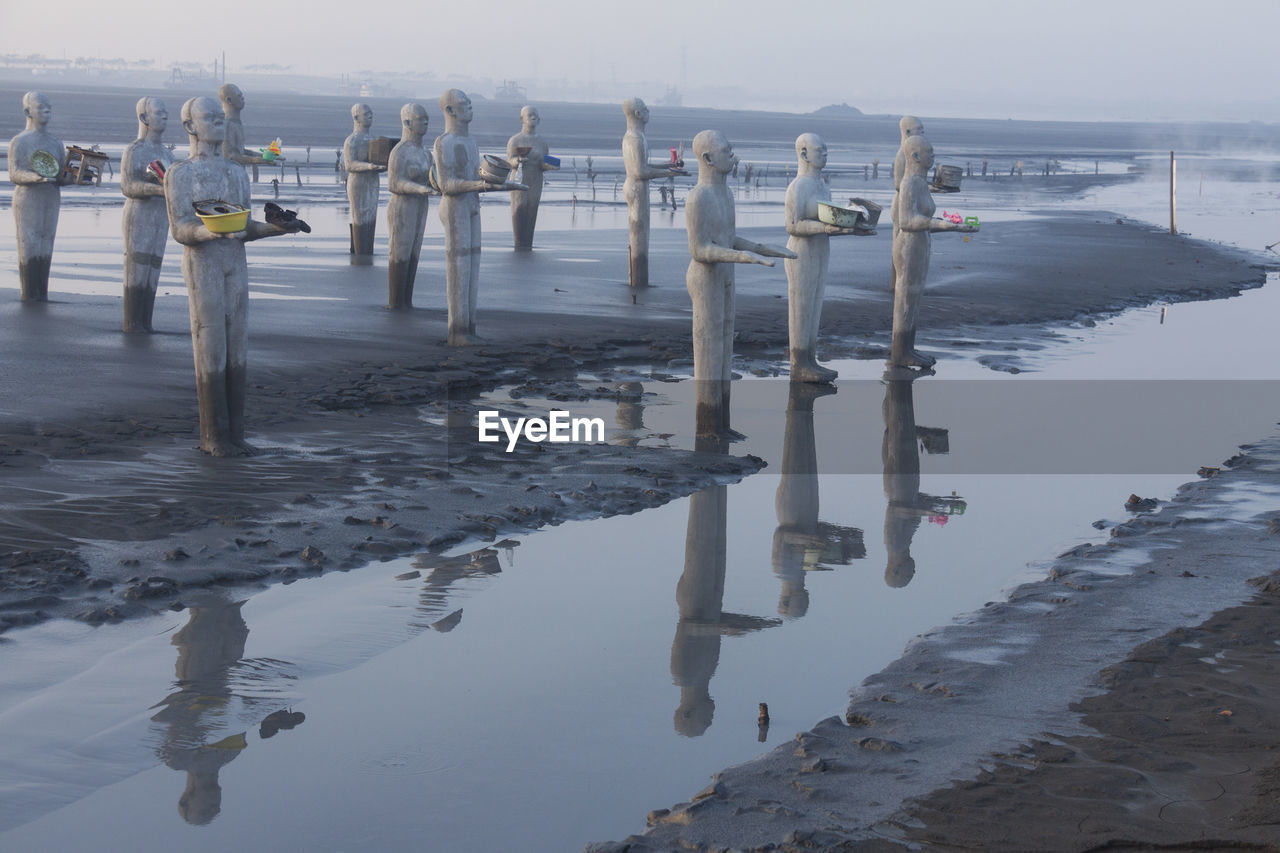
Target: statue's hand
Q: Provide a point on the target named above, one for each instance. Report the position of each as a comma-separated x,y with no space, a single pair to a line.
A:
764,262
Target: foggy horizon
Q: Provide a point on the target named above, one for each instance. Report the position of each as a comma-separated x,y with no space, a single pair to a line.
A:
1139,61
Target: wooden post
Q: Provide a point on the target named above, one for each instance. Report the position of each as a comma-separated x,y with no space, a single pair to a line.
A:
1173,194
297,174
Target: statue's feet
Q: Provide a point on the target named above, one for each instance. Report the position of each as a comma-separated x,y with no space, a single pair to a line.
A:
465,339
226,448
812,372
914,358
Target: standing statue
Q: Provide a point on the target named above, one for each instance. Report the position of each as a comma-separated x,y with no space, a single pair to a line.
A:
524,205
362,182
811,241
913,222
233,146
713,246
458,176
635,159
217,276
36,158
909,126
145,222
408,179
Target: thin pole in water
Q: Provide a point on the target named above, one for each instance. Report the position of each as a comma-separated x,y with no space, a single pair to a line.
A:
1173,194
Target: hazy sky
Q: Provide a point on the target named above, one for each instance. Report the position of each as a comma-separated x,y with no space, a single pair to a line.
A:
991,58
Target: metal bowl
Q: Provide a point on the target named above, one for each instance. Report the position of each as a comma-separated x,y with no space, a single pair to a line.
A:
494,169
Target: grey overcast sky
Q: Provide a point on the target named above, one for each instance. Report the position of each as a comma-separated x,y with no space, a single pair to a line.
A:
1087,59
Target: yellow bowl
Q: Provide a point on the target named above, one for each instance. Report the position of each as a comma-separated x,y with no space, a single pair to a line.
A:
222,217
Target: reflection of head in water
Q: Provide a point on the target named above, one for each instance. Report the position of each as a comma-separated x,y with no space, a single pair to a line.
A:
696,711
901,567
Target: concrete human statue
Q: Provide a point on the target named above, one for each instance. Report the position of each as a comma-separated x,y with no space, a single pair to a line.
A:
908,126
458,175
216,274
36,159
233,149
408,171
531,163
363,183
635,160
145,222
810,240
913,222
714,246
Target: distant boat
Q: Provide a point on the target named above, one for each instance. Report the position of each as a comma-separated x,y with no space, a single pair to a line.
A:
510,90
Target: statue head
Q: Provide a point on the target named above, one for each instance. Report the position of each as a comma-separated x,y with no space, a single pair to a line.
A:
455,105
812,150
362,115
634,108
714,152
529,119
919,155
910,126
37,109
203,121
414,118
231,96
697,710
152,115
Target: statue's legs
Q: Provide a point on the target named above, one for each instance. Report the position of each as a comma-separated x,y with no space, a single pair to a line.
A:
35,210
524,213
146,228
217,295
806,284
712,294
407,220
362,193
461,218
911,256
637,196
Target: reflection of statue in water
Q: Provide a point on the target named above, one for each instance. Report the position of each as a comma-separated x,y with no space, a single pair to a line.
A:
635,160
209,646
217,276
36,158
801,543
714,246
362,181
901,456
408,169
807,274
913,222
695,651
524,205
145,221
458,176
233,145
